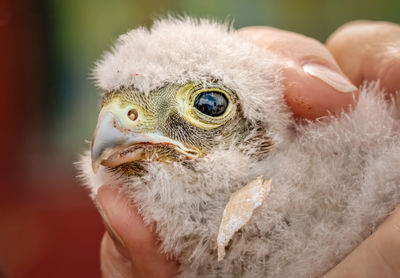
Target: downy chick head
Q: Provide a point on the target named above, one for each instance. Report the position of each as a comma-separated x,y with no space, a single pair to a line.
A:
182,90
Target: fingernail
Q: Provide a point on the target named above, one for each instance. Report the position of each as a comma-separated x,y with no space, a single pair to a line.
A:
118,242
330,77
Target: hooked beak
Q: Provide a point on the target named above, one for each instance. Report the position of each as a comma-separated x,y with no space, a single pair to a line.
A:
116,140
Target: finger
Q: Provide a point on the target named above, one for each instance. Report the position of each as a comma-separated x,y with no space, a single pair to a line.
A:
368,50
133,240
113,264
314,83
377,256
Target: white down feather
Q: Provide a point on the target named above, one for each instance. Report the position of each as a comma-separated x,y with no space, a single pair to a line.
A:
333,181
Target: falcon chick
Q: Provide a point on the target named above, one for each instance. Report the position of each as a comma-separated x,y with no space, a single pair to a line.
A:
191,113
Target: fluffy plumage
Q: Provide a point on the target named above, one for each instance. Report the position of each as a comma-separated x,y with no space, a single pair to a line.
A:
333,180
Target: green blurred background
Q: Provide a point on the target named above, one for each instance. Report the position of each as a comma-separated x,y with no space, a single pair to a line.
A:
79,32
49,227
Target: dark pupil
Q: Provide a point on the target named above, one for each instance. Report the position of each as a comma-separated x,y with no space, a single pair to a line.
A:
211,103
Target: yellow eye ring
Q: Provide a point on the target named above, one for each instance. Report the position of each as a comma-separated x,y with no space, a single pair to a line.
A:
186,97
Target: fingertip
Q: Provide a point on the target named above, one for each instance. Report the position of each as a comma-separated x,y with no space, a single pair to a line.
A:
133,238
314,84
123,216
113,263
368,51
316,90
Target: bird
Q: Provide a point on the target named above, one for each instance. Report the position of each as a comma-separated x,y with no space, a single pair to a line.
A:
192,112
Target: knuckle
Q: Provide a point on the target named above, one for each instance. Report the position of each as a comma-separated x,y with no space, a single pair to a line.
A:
364,29
368,25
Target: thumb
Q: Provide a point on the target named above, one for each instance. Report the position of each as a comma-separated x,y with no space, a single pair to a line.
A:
129,248
315,85
377,256
368,50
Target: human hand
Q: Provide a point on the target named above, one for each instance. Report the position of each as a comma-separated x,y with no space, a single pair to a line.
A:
316,78
129,248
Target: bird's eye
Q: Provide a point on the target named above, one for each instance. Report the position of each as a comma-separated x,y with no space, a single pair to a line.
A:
211,103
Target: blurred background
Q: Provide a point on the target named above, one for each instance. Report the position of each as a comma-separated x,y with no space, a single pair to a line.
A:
48,225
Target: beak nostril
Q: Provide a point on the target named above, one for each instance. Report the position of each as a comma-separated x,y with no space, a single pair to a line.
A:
132,114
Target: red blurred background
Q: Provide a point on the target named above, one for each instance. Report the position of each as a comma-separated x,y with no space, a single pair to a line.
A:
48,225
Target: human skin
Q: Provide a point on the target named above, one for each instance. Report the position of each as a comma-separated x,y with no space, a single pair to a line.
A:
319,79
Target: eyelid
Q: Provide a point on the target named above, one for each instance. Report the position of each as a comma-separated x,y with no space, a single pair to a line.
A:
204,90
